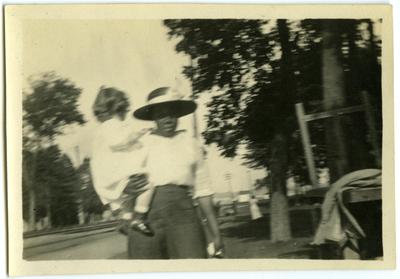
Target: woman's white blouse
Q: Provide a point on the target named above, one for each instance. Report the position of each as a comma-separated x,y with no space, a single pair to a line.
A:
177,160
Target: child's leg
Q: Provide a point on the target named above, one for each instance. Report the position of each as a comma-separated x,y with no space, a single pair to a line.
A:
143,201
126,208
122,209
141,208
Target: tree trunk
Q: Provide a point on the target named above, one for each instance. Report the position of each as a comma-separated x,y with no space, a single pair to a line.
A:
32,208
280,221
48,208
333,97
355,128
28,176
81,212
375,89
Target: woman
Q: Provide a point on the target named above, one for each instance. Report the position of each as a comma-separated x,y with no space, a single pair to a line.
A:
176,168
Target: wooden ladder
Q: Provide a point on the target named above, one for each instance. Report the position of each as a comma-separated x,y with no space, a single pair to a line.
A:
303,120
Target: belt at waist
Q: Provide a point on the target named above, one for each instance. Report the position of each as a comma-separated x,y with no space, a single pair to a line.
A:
173,185
171,194
175,188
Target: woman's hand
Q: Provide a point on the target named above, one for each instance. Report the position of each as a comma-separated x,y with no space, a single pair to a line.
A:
218,243
136,184
219,247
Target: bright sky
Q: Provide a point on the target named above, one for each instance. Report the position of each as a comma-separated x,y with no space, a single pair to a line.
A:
132,55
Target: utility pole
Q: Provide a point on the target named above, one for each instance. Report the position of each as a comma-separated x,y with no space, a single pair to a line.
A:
195,128
252,187
228,177
228,180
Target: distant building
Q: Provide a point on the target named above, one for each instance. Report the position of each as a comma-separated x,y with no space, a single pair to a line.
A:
243,196
223,198
261,193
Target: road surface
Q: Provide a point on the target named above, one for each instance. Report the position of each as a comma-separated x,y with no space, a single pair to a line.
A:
95,245
242,238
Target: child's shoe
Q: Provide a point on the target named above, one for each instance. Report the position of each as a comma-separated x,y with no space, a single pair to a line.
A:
124,227
141,226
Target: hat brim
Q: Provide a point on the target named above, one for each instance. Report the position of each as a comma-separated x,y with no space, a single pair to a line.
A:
179,107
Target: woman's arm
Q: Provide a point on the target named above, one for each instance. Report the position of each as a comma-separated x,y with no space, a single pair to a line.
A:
206,206
203,193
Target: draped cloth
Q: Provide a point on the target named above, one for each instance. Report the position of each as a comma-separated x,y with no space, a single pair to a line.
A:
337,223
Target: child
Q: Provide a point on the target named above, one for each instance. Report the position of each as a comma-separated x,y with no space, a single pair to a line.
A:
117,161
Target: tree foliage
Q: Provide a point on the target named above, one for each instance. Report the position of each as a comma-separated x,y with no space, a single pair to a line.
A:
56,186
49,180
90,200
257,70
51,105
242,60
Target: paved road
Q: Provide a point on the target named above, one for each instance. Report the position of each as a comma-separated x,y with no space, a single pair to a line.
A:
100,245
243,239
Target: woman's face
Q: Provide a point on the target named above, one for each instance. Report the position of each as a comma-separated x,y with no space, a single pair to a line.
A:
166,122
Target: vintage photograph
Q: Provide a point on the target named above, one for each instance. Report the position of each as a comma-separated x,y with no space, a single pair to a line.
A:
199,138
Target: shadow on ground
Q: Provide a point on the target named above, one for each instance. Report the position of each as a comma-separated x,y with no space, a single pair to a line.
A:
245,238
242,227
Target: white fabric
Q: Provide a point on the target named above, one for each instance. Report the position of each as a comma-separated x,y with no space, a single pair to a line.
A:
337,223
171,95
111,169
127,215
177,160
142,203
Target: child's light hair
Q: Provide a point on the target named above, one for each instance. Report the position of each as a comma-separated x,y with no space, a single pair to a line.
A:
110,102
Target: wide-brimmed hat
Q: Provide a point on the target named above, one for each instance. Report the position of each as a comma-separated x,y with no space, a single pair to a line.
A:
165,97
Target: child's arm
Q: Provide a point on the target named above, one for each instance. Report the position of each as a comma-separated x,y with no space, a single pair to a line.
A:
130,142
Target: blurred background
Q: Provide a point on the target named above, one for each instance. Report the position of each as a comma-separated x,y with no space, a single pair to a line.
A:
255,82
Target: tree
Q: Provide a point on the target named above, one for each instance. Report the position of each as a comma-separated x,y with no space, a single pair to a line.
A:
280,141
350,66
334,97
238,58
91,202
59,187
257,70
49,105
261,183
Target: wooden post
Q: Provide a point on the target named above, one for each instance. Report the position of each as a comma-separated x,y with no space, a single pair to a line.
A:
306,144
369,115
195,129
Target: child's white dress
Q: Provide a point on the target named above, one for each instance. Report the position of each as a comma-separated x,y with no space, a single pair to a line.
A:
111,169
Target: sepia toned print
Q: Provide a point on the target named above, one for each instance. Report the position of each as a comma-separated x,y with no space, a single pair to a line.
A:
235,142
